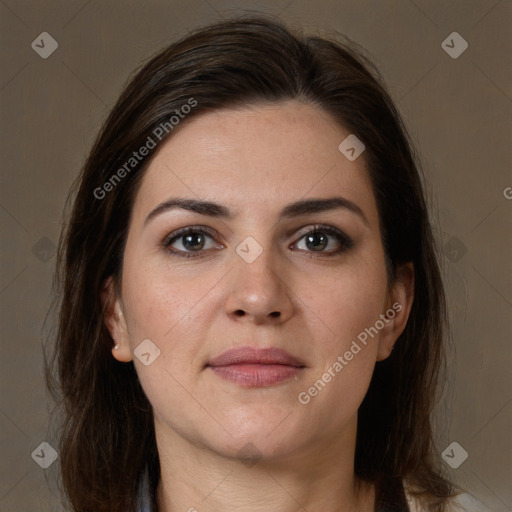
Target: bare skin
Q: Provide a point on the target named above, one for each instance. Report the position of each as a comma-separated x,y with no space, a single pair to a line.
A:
299,295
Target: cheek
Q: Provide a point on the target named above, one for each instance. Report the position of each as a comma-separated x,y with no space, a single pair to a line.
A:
158,300
169,308
349,304
162,306
338,384
347,301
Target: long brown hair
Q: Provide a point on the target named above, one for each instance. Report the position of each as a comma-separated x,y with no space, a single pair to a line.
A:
107,434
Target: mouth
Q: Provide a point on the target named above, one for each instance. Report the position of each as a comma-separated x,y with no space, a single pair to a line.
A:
251,367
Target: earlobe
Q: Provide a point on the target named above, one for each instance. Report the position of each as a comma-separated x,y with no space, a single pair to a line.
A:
400,299
115,321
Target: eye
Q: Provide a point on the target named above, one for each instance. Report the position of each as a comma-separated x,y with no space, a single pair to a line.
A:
191,241
320,239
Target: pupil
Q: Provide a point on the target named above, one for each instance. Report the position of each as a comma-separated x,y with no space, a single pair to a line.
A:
194,241
314,239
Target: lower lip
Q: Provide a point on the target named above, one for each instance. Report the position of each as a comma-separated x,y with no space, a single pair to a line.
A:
256,375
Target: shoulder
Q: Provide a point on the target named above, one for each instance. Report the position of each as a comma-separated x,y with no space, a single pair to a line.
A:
464,502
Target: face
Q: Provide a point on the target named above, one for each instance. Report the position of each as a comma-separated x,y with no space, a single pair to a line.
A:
259,317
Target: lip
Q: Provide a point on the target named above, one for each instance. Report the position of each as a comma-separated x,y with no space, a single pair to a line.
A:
252,367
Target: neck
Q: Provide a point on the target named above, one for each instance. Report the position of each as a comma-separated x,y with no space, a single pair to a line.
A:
197,479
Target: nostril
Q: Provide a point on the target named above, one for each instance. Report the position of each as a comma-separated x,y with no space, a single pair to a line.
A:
275,314
239,312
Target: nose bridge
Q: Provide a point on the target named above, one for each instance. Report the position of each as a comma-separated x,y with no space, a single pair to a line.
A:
257,288
255,265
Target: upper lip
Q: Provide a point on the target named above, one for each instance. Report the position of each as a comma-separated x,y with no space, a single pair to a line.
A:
251,355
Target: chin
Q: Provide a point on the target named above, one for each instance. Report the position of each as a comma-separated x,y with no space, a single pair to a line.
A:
260,439
253,451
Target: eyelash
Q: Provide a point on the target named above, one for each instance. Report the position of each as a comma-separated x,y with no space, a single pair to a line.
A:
345,241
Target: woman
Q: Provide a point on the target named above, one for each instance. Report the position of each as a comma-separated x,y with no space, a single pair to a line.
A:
251,313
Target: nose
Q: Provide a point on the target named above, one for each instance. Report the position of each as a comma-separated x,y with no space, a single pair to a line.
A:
258,291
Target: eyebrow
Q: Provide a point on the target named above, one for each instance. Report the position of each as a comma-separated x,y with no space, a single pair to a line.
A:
296,209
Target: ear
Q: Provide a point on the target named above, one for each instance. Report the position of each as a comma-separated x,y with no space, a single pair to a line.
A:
398,307
115,321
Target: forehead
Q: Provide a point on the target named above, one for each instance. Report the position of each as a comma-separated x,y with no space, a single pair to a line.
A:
258,157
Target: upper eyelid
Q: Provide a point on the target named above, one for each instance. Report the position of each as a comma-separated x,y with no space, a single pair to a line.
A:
177,233
316,227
